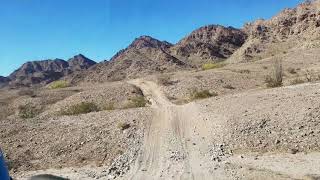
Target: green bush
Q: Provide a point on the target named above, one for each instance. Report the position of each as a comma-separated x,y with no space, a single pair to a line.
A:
28,111
195,94
208,66
82,108
59,84
137,102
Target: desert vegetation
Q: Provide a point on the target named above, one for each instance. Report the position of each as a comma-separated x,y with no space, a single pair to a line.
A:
82,108
136,102
28,111
208,66
276,77
59,84
201,94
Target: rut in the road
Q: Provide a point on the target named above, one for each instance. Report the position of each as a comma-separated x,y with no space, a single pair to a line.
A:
175,142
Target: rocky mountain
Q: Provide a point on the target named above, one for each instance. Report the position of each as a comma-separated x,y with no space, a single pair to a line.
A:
145,55
292,28
46,71
209,43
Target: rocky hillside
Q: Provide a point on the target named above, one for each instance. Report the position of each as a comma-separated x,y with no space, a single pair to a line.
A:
292,28
211,43
46,71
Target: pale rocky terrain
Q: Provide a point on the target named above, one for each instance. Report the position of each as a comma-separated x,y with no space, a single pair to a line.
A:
245,130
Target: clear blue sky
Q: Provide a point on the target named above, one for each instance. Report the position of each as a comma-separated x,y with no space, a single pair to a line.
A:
43,29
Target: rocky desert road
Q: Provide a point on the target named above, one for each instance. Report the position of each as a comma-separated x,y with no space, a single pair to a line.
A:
175,144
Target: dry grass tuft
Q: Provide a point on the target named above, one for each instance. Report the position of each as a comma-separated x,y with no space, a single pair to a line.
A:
276,78
208,66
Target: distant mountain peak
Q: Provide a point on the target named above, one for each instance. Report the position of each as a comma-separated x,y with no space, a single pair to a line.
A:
149,42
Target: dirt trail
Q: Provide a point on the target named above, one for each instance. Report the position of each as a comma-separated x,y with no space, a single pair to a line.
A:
175,144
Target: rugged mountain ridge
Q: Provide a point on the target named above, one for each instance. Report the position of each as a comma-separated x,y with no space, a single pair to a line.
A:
46,71
209,43
145,55
292,28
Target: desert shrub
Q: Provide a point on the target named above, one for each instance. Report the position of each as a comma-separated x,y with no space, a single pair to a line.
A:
82,108
202,94
59,84
122,126
28,111
165,80
292,71
208,66
26,92
228,86
276,77
297,81
110,106
137,102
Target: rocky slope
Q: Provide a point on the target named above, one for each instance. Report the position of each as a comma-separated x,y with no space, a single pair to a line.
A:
292,28
212,42
46,71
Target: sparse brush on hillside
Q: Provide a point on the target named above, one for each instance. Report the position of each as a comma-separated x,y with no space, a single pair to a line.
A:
276,77
28,111
82,108
201,94
208,66
59,84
